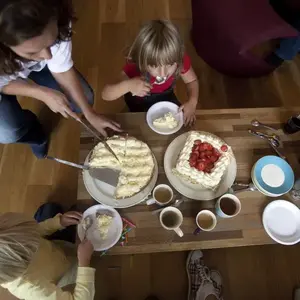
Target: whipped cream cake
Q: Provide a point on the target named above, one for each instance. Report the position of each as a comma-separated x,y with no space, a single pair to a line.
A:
203,160
168,121
136,163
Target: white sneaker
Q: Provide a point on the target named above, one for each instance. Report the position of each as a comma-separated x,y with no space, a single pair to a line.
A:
202,281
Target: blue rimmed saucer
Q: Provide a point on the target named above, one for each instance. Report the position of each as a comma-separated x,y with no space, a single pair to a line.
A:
273,175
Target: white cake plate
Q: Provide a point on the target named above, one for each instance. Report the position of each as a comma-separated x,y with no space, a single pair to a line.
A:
104,193
190,190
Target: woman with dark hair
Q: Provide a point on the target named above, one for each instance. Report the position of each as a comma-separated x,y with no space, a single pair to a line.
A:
35,43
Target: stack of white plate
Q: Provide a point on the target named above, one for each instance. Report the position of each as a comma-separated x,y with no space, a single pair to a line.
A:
272,176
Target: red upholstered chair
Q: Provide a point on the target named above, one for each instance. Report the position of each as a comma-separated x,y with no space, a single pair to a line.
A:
224,32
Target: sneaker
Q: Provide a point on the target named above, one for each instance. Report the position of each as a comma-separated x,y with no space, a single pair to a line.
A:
202,281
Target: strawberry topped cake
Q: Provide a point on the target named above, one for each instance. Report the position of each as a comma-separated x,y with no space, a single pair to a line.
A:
203,160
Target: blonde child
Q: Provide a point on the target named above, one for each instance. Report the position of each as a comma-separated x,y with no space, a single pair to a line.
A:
34,268
155,60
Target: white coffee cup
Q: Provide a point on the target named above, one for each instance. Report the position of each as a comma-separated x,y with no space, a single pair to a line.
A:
158,194
205,220
171,218
228,206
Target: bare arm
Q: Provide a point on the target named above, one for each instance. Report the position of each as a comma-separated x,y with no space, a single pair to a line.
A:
116,90
192,85
70,83
137,86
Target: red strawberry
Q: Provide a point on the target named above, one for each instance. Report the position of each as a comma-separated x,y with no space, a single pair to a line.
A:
193,163
209,147
224,148
201,147
195,148
200,166
216,152
202,154
205,146
193,156
208,153
197,142
213,158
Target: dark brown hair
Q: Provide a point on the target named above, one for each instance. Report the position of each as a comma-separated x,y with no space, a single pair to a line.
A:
21,20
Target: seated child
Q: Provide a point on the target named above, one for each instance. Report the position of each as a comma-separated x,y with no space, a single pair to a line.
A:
155,60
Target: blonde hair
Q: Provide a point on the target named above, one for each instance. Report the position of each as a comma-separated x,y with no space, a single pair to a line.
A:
19,240
157,44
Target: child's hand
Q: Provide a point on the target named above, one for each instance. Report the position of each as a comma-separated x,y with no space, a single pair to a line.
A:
189,109
70,218
139,87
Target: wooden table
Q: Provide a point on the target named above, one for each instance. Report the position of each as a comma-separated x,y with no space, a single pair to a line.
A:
242,230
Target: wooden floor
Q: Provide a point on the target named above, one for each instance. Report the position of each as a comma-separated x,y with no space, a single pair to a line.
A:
104,30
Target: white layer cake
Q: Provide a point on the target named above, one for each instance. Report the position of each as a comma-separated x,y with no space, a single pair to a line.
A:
135,163
192,175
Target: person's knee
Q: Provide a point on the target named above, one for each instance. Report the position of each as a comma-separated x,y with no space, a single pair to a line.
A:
9,136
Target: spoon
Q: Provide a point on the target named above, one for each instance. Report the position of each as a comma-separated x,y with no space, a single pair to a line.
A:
256,123
86,225
176,204
275,144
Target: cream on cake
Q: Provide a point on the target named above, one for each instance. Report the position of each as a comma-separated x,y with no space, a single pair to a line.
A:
136,163
168,121
205,170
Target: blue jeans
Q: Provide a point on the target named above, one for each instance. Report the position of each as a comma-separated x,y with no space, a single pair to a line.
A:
19,125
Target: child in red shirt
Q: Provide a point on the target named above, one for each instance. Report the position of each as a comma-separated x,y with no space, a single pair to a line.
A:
155,60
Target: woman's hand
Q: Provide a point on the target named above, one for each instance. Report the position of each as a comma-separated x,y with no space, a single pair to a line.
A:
70,218
189,109
84,253
57,102
100,123
139,87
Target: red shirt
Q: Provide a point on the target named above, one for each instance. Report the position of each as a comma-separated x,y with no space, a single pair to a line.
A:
131,70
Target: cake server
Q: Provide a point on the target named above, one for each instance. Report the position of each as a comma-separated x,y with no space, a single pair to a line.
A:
97,136
106,175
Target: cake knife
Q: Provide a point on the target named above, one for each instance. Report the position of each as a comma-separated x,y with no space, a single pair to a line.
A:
109,176
97,136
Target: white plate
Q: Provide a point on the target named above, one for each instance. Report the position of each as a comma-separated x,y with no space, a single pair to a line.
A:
104,193
260,189
158,110
114,231
281,220
190,190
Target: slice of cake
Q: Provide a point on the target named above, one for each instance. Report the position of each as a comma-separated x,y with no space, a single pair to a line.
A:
136,163
203,160
168,121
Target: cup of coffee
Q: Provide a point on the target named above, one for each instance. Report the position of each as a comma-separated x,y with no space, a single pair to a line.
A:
228,206
205,220
171,218
162,195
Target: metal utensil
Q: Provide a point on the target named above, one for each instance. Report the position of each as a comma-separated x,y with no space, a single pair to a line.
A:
256,123
264,135
86,225
106,175
97,136
247,187
275,146
177,203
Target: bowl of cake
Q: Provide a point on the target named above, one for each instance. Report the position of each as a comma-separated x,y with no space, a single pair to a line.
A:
200,165
137,166
164,118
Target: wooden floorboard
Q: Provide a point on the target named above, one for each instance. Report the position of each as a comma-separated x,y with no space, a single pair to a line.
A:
104,29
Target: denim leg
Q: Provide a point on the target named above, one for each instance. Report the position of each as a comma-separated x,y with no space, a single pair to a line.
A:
16,124
288,48
45,78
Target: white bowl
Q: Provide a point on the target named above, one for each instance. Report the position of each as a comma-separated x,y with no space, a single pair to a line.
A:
158,110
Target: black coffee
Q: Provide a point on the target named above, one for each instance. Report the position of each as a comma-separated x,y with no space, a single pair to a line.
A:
170,219
228,206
